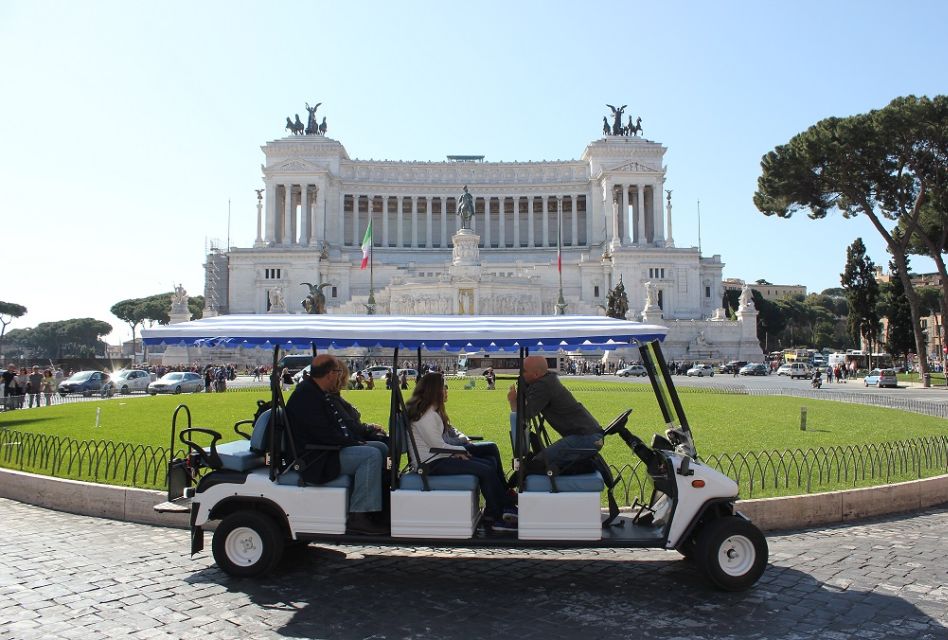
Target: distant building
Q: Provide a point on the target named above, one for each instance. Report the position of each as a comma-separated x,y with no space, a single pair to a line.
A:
767,290
932,324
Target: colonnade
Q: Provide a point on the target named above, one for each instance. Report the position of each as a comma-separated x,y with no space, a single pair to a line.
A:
637,214
296,215
427,221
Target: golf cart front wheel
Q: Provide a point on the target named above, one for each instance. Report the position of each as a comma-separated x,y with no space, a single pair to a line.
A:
247,544
732,552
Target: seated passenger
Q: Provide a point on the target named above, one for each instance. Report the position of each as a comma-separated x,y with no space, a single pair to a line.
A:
547,397
316,419
370,432
430,425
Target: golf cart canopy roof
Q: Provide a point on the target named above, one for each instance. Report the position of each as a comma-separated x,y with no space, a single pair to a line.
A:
432,333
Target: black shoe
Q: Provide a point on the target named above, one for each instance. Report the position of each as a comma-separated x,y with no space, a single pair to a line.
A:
361,524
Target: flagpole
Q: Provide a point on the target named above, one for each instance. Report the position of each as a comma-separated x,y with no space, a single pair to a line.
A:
560,303
370,307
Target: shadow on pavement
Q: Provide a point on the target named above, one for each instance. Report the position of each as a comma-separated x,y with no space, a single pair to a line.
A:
396,593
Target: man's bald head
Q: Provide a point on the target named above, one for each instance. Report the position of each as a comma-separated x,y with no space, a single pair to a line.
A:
322,366
534,368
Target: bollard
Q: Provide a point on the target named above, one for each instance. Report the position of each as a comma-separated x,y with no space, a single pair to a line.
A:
802,418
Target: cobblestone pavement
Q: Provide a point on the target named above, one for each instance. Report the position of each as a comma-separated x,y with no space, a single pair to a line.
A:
66,576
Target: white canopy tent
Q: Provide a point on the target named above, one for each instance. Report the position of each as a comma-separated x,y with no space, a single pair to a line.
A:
490,333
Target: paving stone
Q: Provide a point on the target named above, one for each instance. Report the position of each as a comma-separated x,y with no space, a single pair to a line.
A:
67,576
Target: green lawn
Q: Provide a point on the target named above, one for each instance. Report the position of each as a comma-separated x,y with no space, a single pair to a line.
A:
722,424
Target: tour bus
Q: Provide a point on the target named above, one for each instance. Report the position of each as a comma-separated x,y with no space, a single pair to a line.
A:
252,488
476,363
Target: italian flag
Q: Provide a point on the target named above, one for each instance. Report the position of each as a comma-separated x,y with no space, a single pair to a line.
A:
367,245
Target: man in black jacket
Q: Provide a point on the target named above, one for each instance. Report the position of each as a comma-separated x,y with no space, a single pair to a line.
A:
315,419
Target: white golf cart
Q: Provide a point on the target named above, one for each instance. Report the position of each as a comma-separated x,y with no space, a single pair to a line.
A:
253,487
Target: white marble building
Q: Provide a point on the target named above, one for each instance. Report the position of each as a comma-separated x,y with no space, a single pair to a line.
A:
608,206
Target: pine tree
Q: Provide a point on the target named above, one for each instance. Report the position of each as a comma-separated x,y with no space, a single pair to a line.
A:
862,293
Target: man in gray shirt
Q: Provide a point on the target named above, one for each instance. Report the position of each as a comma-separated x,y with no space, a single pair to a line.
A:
547,397
36,384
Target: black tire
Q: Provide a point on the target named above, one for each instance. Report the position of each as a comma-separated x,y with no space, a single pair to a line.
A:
177,390
732,552
247,544
86,393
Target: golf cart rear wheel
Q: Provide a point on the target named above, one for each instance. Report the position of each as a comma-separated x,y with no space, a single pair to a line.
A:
247,544
732,552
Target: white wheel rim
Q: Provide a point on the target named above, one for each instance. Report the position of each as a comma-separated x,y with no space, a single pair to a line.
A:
244,546
736,555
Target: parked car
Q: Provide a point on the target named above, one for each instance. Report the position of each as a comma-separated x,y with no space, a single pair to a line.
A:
378,373
632,370
733,366
701,370
881,378
753,369
84,382
128,380
177,382
795,370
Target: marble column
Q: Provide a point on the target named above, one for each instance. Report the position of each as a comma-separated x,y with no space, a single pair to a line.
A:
271,193
414,222
625,228
289,222
305,222
318,229
531,241
384,221
657,224
641,211
670,242
428,222
400,222
444,221
501,231
516,221
545,225
356,234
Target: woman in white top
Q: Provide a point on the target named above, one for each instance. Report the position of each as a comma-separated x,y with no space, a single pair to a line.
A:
429,424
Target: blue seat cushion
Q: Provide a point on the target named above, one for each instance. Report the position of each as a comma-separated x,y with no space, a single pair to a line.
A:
413,482
292,478
237,456
579,482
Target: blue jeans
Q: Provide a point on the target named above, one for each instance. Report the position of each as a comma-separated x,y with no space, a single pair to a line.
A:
365,464
486,472
488,451
563,452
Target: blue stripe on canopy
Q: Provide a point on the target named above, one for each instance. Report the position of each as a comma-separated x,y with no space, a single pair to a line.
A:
432,333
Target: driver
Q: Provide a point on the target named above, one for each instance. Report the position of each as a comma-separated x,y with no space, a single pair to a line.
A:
547,397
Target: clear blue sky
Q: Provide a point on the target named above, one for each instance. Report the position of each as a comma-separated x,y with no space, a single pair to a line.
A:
126,126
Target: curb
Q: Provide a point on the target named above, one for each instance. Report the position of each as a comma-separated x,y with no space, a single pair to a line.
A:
791,512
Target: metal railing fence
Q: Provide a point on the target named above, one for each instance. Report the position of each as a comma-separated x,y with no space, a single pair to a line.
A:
756,472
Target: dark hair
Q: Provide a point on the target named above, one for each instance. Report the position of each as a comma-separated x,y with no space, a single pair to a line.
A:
428,393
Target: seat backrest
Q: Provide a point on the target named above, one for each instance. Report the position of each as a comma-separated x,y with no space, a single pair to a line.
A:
260,438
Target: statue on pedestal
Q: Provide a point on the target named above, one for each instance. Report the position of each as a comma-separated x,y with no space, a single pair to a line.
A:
315,302
618,302
277,303
466,208
179,301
